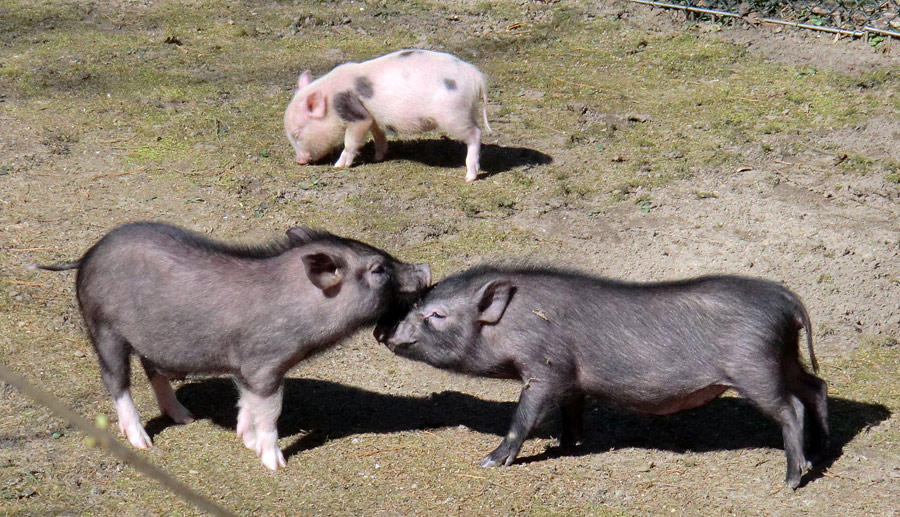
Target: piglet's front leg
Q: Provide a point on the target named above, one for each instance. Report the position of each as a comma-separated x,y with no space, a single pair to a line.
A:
533,401
257,425
354,138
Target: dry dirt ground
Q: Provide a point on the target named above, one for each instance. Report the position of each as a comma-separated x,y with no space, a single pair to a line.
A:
601,178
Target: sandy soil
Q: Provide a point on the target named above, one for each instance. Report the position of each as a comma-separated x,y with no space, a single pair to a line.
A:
832,237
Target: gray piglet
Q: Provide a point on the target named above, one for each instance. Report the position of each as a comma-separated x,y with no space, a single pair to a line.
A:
656,348
186,304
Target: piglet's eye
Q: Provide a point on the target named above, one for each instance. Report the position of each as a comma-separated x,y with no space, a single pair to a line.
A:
378,270
435,315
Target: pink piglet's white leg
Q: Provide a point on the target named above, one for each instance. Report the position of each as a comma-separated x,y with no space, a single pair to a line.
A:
354,138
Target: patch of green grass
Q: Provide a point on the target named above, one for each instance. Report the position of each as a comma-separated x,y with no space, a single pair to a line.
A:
858,163
868,374
876,343
157,153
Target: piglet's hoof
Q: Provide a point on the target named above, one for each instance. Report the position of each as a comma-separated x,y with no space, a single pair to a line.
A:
497,458
137,436
489,462
273,459
180,414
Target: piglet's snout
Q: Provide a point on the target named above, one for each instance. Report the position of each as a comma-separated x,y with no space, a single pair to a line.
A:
382,333
394,336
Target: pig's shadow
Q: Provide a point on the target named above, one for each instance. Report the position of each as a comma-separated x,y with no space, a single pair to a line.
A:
319,410
724,424
444,152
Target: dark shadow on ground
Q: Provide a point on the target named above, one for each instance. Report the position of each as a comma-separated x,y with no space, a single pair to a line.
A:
444,152
319,411
723,424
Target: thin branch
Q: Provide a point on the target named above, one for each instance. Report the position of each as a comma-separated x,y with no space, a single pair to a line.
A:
26,284
378,451
804,166
109,443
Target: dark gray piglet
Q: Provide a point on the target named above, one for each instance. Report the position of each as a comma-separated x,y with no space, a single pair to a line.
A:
186,304
656,348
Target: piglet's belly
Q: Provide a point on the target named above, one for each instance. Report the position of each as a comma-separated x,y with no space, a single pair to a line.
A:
678,403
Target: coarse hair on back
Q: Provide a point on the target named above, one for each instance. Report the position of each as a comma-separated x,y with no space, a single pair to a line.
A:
199,241
527,268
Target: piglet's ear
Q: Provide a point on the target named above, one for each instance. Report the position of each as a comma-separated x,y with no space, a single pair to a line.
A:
315,105
423,275
302,235
304,80
493,299
323,270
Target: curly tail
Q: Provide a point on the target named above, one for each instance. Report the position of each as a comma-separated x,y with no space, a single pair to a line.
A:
59,266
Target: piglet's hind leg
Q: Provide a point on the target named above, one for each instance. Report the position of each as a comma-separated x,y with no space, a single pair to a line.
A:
473,154
115,370
381,144
130,422
165,396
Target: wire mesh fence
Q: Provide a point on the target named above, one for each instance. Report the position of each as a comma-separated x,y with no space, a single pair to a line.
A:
858,18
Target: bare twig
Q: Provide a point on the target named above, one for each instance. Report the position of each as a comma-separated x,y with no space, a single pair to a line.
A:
803,166
115,174
540,315
26,284
50,298
109,443
378,451
481,478
563,133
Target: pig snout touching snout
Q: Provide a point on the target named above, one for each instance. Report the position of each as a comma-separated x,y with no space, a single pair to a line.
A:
185,304
404,92
657,348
